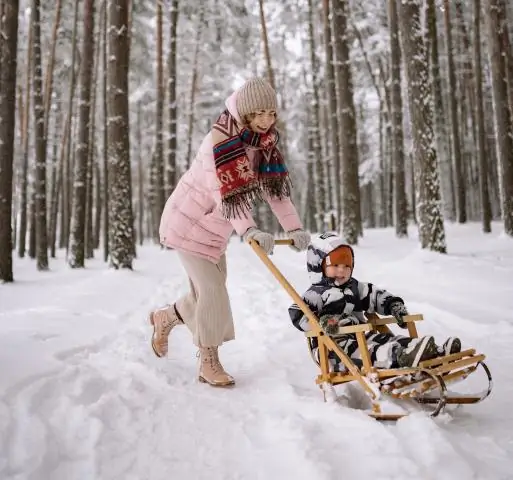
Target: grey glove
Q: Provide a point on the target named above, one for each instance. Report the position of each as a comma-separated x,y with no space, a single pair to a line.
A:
398,310
264,239
300,238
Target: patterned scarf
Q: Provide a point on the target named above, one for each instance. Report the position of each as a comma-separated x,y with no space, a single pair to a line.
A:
242,181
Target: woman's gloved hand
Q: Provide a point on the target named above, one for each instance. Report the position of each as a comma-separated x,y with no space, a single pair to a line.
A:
264,239
300,238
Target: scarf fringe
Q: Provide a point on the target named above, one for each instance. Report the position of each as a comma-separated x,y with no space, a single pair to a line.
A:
242,200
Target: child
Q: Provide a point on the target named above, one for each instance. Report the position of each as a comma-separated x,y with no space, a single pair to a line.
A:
339,300
237,163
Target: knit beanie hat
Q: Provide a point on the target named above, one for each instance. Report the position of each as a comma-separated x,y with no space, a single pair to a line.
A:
342,255
255,94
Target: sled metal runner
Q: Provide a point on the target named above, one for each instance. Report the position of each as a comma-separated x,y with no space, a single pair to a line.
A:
425,385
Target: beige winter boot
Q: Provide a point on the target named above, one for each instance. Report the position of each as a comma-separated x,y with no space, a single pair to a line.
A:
210,370
163,321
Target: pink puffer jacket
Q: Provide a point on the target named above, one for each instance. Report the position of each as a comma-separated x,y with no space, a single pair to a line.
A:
192,221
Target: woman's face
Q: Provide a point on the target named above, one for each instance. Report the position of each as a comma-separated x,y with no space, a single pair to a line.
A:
262,120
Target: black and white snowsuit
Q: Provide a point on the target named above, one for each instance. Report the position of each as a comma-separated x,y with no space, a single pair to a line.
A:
349,302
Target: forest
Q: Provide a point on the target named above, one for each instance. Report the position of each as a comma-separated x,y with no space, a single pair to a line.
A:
391,112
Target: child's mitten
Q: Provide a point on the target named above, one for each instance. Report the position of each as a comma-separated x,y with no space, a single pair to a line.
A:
329,323
398,310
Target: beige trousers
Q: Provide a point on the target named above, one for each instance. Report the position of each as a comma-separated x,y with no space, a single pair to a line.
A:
206,308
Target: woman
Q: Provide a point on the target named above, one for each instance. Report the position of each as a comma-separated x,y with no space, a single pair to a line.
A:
237,164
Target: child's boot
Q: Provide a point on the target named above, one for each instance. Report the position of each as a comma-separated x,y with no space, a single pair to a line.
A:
415,353
210,369
451,345
163,321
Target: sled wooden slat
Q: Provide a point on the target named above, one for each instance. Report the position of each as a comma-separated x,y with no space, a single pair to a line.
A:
447,367
363,327
447,358
390,320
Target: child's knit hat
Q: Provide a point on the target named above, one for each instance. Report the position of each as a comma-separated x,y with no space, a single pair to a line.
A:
255,94
342,255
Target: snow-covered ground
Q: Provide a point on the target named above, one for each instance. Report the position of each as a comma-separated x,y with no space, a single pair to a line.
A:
82,396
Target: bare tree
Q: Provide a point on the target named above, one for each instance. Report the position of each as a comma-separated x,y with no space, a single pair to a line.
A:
332,106
40,139
8,51
171,168
429,215
158,158
486,206
497,40
401,218
350,200
76,256
121,226
453,110
440,121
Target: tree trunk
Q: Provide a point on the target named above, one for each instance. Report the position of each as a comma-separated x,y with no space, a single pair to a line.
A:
400,204
171,167
429,216
440,128
453,110
40,141
77,245
158,167
66,190
332,109
316,158
497,25
140,179
105,109
8,62
486,207
350,200
22,240
120,199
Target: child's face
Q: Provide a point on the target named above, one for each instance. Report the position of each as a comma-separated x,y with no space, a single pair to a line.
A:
341,273
262,120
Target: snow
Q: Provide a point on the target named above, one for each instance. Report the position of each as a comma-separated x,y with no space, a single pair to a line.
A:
84,397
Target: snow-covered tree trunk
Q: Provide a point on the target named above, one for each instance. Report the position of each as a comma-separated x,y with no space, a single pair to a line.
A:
332,109
40,141
497,42
439,118
455,127
158,167
429,215
78,220
25,134
350,201
105,139
8,55
121,236
316,158
93,180
400,204
486,207
66,152
171,166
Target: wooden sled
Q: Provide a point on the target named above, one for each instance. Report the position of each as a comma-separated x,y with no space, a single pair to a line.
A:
425,385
